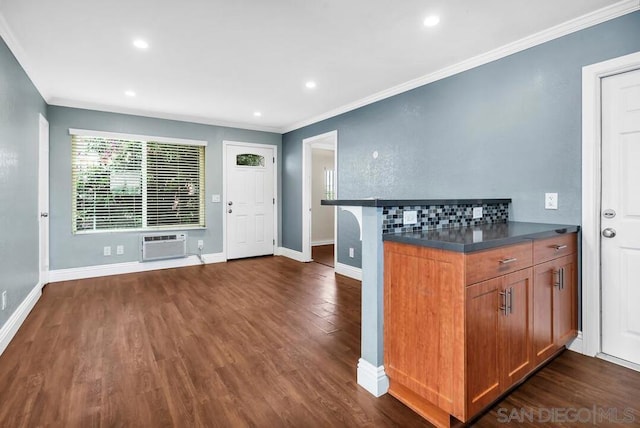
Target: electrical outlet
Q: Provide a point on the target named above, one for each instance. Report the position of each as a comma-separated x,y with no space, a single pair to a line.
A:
550,201
477,212
409,217
352,252
106,251
4,300
215,198
120,250
200,244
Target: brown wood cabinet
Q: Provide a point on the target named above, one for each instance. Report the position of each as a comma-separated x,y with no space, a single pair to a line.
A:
554,310
461,329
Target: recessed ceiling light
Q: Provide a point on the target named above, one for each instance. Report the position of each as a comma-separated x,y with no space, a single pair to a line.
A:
140,44
130,93
310,84
257,113
431,20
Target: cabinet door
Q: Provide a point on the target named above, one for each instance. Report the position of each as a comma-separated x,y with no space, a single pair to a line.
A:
565,302
483,343
515,349
545,276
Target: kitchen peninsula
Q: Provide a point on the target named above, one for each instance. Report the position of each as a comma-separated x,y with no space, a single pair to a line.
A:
471,305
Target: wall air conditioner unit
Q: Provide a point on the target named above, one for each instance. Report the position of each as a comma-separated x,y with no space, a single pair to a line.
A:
158,246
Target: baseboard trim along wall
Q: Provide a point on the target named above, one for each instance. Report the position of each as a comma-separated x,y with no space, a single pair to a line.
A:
10,328
576,344
350,271
131,267
292,254
372,378
325,242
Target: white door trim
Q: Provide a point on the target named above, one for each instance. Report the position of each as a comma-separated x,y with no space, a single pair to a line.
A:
223,205
43,204
591,192
307,145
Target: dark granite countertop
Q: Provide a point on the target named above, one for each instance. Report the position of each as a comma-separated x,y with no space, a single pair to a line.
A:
480,237
409,202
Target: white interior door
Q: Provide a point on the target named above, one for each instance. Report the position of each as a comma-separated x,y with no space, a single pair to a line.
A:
43,200
250,201
620,216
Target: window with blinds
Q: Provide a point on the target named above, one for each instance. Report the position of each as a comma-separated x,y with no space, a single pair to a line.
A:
124,184
329,184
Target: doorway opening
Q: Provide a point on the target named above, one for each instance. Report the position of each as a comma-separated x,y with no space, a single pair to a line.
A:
319,224
43,201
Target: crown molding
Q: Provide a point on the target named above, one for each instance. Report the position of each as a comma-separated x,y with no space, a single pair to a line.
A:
605,14
18,52
64,102
585,21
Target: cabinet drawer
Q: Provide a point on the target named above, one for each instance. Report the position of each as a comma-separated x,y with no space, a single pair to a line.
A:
552,248
499,261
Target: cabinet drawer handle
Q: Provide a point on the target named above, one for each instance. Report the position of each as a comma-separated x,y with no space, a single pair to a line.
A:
559,247
508,260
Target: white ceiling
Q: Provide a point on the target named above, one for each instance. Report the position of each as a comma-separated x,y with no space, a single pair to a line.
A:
215,61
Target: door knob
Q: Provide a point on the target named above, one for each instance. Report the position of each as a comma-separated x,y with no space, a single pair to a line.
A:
230,211
609,232
230,203
45,215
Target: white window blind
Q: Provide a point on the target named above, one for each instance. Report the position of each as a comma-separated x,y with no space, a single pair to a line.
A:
124,184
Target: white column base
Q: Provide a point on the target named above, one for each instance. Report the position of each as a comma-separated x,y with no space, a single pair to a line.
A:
372,378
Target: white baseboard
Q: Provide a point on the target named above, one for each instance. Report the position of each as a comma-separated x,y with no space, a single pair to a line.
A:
618,361
292,254
10,328
372,378
325,242
576,344
130,267
350,271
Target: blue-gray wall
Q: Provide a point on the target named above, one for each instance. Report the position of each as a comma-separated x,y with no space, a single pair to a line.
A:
20,106
510,128
71,251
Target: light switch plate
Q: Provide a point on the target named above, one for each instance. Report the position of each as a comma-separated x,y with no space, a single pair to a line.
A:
215,198
477,212
409,217
550,201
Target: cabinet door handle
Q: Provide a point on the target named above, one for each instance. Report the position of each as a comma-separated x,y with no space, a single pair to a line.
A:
510,307
557,282
508,260
559,247
504,308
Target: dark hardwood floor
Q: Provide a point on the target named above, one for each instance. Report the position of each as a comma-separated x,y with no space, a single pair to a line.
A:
323,254
263,342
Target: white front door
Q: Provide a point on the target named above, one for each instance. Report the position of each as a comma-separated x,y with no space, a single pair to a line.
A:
620,216
250,200
43,200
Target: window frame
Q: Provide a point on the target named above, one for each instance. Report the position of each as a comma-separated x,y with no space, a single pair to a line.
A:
144,140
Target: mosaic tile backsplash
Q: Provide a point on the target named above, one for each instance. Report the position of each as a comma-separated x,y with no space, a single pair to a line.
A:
441,216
